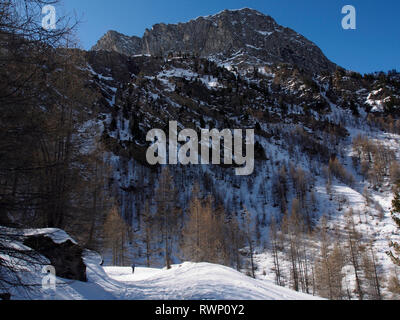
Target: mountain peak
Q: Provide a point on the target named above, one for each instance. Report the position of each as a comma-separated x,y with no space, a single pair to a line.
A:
246,10
245,37
246,13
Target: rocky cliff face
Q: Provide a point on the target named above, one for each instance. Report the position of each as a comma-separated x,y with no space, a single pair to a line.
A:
243,37
115,41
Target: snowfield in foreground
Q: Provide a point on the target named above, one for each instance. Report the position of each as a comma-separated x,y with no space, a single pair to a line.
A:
188,281
198,281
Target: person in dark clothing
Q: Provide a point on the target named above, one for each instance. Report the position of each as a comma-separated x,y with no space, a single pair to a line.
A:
133,268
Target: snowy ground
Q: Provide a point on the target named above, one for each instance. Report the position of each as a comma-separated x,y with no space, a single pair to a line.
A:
202,281
188,281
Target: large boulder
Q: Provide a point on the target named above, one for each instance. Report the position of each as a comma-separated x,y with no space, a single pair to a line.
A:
65,257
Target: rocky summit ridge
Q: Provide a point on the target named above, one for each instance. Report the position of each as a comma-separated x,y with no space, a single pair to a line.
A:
244,38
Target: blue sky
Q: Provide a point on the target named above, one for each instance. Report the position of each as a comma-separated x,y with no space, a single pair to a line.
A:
374,46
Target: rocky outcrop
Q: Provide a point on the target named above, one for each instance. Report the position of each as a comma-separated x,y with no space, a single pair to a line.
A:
234,35
115,41
65,257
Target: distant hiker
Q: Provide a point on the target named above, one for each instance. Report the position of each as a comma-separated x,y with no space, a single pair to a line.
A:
133,268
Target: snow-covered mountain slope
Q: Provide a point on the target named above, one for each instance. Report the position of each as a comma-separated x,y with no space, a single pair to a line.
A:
309,155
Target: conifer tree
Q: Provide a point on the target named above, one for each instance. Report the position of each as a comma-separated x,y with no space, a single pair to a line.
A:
116,234
273,234
148,233
354,245
192,232
167,212
395,254
236,239
249,237
371,273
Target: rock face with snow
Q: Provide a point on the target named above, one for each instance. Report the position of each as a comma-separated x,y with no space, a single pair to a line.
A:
231,34
24,254
115,41
64,256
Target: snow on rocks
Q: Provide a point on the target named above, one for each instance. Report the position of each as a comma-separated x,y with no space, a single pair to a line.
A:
57,235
